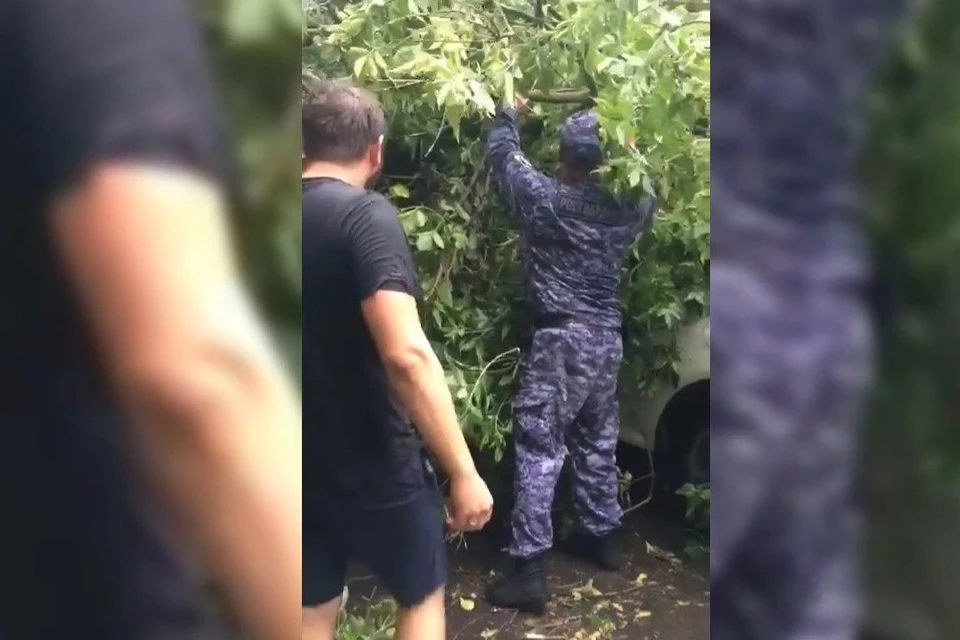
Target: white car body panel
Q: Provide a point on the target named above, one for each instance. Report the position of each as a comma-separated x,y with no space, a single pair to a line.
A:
640,413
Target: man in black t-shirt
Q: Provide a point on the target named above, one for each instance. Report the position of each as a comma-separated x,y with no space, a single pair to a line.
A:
120,291
367,365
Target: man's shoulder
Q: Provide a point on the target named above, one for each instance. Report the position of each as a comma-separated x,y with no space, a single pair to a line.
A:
375,204
324,191
327,196
522,172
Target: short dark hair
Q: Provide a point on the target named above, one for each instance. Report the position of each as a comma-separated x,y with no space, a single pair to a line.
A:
578,161
339,122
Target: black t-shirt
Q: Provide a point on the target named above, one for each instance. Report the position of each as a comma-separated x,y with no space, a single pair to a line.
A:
356,442
82,553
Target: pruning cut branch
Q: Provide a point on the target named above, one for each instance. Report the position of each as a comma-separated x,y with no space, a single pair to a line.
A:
580,96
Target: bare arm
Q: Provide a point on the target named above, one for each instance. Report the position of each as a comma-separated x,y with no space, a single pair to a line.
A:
387,291
122,115
417,377
219,422
383,268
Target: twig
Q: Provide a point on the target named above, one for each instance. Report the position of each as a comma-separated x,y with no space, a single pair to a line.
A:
649,497
445,268
483,372
435,140
614,594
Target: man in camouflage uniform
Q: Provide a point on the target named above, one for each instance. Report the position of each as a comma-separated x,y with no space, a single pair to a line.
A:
574,238
792,335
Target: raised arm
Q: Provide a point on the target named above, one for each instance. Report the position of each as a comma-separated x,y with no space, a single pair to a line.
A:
118,106
520,184
645,210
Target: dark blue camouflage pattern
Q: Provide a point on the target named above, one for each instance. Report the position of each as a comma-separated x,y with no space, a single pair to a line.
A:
580,139
567,396
792,337
574,238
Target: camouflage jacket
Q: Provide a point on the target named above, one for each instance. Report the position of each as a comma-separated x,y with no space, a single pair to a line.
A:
574,237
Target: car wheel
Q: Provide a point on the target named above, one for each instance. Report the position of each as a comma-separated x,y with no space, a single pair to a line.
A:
698,458
683,447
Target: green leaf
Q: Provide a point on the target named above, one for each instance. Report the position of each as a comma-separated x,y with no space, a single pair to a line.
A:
400,191
454,116
358,66
444,293
442,65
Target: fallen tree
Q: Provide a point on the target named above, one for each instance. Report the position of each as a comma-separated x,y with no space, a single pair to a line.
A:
440,68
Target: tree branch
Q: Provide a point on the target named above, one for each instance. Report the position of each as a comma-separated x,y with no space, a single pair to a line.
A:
562,96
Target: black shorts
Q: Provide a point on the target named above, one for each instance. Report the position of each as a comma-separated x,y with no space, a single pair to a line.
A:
402,545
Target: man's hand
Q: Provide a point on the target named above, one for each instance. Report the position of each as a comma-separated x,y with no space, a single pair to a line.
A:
521,104
471,503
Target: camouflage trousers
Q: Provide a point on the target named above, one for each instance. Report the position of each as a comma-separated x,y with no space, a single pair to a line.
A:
567,395
792,337
784,407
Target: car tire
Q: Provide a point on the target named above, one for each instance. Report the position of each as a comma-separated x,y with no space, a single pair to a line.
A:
682,453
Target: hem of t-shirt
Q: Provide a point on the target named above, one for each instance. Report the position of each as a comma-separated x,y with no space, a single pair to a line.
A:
374,499
158,143
393,283
414,494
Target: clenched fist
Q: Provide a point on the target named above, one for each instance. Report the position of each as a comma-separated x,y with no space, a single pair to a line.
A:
471,504
521,104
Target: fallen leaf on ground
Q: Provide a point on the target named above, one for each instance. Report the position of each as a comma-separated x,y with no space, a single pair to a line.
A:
586,591
467,604
657,552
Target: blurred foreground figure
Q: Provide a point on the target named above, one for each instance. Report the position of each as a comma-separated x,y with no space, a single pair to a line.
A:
368,369
575,238
792,337
148,434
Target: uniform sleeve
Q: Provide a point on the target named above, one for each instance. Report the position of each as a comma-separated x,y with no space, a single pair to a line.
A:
520,184
114,80
380,257
644,213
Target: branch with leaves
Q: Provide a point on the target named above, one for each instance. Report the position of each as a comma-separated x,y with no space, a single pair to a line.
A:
441,69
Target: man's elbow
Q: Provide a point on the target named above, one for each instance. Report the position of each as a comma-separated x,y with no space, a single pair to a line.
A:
409,361
187,392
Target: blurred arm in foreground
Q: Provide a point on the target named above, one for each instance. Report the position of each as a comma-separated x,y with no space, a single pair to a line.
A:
792,337
139,221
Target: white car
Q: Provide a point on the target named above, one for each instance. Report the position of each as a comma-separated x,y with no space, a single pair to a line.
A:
674,422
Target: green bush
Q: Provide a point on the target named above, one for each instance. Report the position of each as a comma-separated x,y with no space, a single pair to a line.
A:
255,46
913,438
440,67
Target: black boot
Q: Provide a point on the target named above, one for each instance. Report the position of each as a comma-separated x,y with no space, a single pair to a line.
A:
604,551
523,589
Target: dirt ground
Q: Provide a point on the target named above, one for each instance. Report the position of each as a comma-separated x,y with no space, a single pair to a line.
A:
658,595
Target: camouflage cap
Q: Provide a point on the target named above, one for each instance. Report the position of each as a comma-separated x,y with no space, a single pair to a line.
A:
580,139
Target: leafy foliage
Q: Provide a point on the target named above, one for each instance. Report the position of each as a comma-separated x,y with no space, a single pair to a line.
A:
697,498
913,437
256,53
440,68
